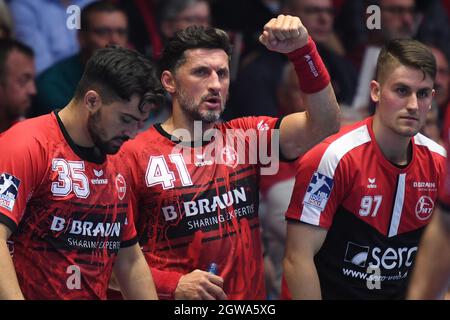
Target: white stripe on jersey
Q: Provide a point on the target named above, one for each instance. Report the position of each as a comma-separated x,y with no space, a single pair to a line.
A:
398,205
421,140
329,162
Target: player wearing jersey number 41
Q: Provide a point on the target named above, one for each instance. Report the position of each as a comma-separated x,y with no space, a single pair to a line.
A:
197,207
363,196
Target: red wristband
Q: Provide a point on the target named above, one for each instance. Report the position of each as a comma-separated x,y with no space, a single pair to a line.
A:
311,72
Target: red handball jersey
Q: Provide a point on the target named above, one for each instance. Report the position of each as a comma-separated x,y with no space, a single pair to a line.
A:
374,211
198,205
69,214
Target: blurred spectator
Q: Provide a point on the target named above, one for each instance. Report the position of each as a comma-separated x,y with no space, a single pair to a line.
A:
179,14
17,87
431,126
42,24
103,24
276,189
144,33
246,18
6,25
442,82
254,91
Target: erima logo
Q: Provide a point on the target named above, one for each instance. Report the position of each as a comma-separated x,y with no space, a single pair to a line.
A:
371,184
356,254
318,191
99,173
201,162
9,187
262,126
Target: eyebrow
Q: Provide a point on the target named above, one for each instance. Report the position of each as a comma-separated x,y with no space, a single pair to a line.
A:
408,86
131,116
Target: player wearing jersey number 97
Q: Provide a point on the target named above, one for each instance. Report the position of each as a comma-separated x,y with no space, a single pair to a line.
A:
365,195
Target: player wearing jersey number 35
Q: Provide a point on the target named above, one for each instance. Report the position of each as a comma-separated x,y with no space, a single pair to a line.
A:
363,197
64,200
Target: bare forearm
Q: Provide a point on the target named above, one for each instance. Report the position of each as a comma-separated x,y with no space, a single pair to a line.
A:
9,286
323,112
303,130
432,267
134,276
303,281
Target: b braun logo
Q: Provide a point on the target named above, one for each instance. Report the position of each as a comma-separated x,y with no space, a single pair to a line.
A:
356,254
424,208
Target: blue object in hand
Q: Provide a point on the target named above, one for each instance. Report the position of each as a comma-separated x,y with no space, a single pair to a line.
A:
212,268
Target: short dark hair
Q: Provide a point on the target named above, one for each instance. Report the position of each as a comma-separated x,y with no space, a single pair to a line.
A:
96,7
6,46
119,73
193,37
407,52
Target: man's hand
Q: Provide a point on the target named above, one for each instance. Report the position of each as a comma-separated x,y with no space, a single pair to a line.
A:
284,34
200,285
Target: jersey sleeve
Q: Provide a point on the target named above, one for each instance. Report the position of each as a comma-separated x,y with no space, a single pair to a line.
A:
319,188
22,164
129,236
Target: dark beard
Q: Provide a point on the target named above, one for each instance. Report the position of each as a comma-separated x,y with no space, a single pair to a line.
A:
95,131
192,110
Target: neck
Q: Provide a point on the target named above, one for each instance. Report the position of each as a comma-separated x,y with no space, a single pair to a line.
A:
75,120
5,121
395,148
183,127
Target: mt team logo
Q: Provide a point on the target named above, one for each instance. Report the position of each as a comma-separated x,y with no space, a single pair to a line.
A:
98,179
318,191
230,157
121,186
424,208
262,126
9,188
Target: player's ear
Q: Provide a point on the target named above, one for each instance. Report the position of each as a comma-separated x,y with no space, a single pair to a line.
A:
92,101
168,81
375,91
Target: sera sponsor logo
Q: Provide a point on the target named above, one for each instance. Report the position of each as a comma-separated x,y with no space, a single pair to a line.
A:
9,188
376,257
